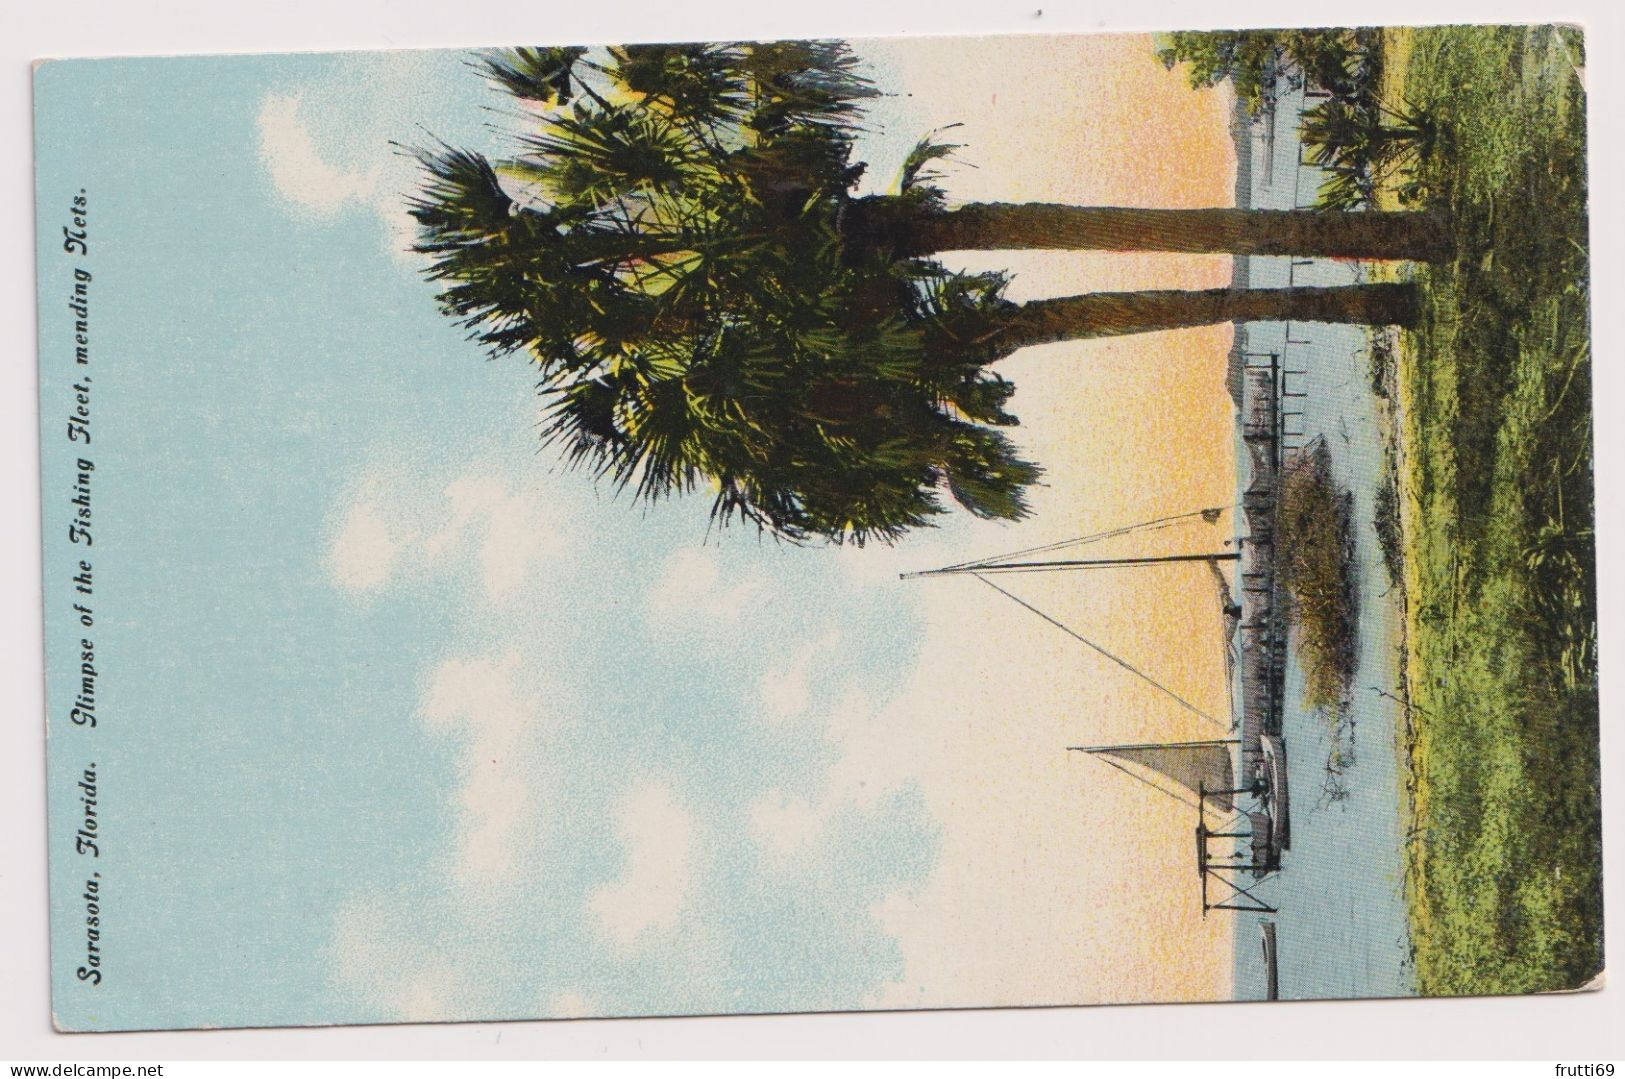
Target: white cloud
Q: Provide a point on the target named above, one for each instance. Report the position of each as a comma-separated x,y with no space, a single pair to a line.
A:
399,526
378,954
479,702
363,551
651,892
423,999
566,1006
296,166
875,761
786,689
508,525
692,590
400,227
320,167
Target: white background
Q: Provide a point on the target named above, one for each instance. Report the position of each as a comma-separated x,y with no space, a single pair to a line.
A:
1575,1028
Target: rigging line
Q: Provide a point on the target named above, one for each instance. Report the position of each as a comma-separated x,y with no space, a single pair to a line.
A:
1149,526
1092,538
1123,663
1071,565
1158,523
1159,788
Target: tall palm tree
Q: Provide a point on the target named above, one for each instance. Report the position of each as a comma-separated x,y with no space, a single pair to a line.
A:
677,245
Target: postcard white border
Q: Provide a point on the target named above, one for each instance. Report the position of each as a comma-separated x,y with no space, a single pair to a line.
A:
1572,1028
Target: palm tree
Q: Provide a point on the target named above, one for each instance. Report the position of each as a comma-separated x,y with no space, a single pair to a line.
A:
1359,141
677,245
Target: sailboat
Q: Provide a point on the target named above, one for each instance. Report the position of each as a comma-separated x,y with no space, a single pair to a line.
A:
1243,824
1202,773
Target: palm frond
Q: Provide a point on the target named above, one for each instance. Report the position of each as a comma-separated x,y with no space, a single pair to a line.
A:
919,176
543,75
459,198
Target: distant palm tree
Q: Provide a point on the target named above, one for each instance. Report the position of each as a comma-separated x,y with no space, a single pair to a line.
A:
1359,142
678,246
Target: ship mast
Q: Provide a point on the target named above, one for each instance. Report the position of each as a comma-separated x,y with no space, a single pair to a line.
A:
985,569
1199,773
1073,564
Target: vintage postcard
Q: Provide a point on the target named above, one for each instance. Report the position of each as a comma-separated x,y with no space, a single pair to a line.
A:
544,532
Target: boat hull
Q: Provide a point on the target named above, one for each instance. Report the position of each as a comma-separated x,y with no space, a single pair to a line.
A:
1272,760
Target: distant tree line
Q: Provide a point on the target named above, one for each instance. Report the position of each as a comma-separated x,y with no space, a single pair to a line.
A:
1360,140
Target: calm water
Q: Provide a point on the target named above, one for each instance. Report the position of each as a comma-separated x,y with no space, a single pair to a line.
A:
1341,928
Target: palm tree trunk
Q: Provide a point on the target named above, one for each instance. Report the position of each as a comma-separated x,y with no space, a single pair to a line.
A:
1109,314
907,228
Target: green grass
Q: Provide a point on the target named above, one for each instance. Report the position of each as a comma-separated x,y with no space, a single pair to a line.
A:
1493,452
